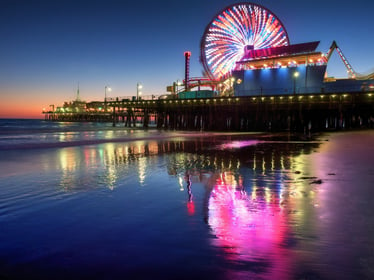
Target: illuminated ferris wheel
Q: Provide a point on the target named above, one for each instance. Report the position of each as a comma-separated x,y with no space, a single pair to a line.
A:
239,27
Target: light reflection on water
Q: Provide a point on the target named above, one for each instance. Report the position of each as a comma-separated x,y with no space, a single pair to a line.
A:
250,228
263,204
255,202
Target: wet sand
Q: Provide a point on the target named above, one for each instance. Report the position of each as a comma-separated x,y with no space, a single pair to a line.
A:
206,206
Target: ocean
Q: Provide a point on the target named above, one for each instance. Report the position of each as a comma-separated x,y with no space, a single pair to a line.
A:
92,201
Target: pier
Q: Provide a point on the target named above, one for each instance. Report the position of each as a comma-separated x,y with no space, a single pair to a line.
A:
271,86
245,113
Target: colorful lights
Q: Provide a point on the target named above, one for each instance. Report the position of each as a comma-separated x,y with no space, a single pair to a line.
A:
238,28
246,226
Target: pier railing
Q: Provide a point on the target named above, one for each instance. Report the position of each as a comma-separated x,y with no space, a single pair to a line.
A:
132,98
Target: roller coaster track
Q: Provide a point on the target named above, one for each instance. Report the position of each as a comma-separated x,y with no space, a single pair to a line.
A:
351,73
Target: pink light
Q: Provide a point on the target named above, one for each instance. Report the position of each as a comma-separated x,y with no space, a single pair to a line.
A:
190,208
239,144
248,228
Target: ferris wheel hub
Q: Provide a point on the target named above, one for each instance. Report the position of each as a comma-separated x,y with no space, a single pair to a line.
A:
249,47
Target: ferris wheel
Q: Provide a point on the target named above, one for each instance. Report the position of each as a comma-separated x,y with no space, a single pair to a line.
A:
239,26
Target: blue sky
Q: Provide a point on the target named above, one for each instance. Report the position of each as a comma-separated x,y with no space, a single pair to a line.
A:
47,47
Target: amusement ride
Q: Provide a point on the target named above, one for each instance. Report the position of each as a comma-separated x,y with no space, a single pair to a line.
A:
249,37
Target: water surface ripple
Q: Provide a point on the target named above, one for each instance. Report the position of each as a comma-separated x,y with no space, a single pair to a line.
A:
98,203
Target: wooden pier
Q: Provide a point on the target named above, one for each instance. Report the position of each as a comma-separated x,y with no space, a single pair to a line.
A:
250,113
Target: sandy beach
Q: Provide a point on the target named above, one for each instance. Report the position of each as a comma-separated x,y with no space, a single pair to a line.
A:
203,206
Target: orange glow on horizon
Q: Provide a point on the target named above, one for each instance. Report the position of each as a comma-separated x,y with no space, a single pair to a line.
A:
21,111
29,104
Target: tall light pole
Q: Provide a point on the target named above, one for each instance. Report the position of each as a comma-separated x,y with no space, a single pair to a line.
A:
232,80
177,85
138,90
295,75
106,88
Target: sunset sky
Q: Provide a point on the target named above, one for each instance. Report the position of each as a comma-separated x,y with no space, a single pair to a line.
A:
48,47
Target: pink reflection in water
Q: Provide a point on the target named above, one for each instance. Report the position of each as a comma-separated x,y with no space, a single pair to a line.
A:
249,229
239,144
191,208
